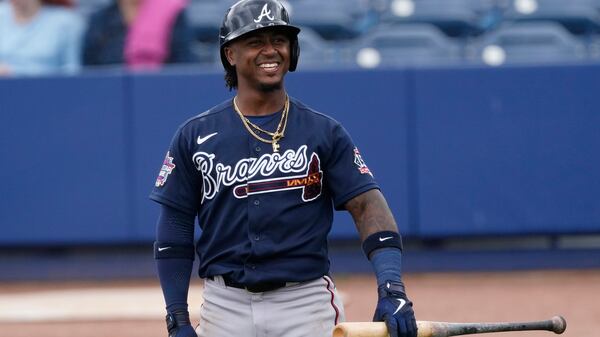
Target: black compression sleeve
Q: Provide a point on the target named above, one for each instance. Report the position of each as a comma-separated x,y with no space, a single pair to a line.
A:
175,226
174,235
176,229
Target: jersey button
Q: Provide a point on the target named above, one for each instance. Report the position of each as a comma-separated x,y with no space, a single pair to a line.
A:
258,149
256,202
257,238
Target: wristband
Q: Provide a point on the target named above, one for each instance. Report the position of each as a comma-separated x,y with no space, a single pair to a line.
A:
391,288
176,319
381,240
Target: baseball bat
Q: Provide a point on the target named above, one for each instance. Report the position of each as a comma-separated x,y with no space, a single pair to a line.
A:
557,324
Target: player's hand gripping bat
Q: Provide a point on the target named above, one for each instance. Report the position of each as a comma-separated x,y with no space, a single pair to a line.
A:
443,329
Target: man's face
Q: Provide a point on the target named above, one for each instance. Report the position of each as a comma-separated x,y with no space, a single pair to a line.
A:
261,59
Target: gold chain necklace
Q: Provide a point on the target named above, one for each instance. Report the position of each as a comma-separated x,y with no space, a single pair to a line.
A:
275,136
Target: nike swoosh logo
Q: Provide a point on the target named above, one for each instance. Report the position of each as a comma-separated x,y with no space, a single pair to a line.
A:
386,238
160,249
205,138
402,303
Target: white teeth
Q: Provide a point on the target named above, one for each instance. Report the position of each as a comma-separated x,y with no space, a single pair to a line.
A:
268,65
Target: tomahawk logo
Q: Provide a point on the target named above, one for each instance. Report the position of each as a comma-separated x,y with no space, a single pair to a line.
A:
264,12
311,183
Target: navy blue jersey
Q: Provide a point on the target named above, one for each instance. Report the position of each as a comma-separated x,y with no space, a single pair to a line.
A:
264,216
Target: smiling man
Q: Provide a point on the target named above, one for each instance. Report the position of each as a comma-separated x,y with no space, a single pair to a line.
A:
263,173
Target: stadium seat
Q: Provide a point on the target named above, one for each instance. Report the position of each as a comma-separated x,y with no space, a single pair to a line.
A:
407,44
457,18
332,19
316,52
528,42
205,17
578,16
207,53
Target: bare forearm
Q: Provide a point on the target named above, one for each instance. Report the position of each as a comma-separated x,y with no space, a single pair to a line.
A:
376,226
371,214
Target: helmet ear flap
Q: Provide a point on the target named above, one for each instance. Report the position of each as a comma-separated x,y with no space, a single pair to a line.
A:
294,54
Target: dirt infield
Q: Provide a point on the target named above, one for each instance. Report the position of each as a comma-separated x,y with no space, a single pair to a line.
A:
454,297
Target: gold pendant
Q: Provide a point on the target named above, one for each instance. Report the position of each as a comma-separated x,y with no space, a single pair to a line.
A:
275,146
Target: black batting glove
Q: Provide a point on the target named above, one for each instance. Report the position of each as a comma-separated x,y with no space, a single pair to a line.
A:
179,325
395,310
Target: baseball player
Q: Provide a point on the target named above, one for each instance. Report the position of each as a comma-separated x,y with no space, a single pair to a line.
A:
262,173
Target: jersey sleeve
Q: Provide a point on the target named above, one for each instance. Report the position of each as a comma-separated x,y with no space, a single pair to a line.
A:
346,171
179,183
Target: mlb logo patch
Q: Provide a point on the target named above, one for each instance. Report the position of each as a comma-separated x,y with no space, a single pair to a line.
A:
166,169
360,163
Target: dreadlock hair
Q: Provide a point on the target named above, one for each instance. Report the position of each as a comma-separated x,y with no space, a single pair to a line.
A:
231,80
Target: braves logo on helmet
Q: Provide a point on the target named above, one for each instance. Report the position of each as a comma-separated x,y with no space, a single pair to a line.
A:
265,12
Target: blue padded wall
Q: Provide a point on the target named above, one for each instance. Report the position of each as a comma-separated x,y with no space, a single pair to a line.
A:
457,151
508,151
64,168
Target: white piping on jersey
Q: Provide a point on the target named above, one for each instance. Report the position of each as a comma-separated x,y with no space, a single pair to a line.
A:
215,175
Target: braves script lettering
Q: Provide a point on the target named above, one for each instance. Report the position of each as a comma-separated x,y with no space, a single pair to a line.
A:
217,174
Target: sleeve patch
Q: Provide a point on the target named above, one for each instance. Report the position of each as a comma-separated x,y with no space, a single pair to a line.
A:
360,163
166,169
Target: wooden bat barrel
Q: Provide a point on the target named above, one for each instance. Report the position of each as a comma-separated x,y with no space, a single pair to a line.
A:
375,329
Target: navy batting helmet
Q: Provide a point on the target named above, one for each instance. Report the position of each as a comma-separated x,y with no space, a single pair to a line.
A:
247,16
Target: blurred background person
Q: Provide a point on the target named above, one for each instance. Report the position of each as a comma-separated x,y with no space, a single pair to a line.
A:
39,37
139,33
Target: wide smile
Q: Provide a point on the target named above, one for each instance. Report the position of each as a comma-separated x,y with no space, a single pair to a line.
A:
269,67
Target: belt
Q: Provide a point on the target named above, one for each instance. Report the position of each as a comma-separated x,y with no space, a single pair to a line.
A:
253,288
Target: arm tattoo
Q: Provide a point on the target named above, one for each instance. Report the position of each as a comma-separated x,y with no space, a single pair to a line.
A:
371,213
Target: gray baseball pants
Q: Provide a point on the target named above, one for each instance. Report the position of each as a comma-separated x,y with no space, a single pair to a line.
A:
307,309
